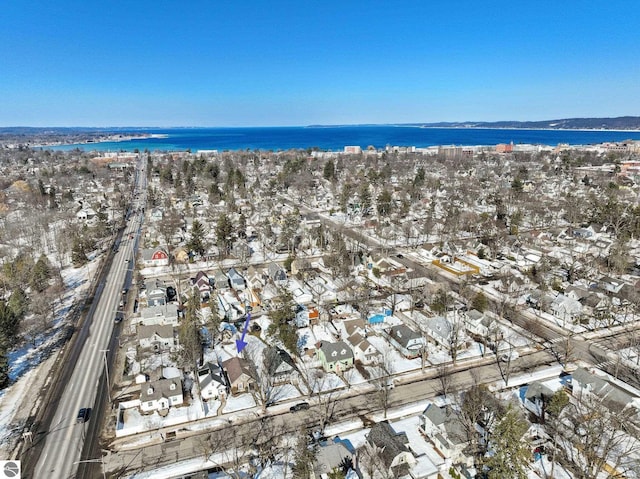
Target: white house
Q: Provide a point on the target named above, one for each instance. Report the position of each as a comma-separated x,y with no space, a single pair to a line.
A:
212,382
443,427
166,314
405,340
161,394
155,257
158,337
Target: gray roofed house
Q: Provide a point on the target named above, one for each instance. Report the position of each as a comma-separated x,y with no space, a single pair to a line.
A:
444,428
161,394
277,274
212,382
439,329
235,279
155,292
158,337
335,357
478,323
280,366
536,396
165,314
616,398
328,458
221,280
405,340
395,453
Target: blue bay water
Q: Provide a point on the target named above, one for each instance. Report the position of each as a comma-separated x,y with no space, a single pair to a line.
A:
336,138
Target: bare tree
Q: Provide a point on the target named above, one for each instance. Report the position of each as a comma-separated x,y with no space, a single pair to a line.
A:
594,437
383,379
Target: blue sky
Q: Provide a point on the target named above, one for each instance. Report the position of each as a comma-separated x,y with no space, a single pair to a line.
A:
276,62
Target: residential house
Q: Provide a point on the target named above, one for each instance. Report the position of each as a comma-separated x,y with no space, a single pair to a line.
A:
202,282
165,314
155,257
220,280
181,255
405,340
611,285
280,366
479,324
566,309
155,292
537,395
335,357
156,214
330,456
212,382
161,394
605,388
235,279
241,250
238,375
439,329
394,450
88,215
158,337
363,350
445,430
254,278
277,274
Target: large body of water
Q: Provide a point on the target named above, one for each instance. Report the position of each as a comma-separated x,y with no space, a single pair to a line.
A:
336,138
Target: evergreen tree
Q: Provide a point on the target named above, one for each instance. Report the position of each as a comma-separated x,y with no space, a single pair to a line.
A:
329,171
189,332
4,364
479,302
40,274
384,203
196,242
511,452
224,229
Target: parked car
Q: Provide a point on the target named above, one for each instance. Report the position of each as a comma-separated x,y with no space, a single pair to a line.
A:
83,415
506,357
299,407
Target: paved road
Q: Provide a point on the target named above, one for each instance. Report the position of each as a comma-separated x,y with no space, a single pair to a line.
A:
348,405
65,437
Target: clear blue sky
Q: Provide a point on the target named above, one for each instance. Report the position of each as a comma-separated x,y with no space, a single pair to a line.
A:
277,62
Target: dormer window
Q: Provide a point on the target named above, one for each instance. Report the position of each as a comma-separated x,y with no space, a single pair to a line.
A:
343,352
172,386
334,354
150,391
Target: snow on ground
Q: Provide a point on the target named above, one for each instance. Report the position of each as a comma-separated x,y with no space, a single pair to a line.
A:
284,392
353,377
238,403
134,421
321,333
29,365
542,468
323,382
399,362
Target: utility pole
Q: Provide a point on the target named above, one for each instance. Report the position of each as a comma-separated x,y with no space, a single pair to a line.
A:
106,370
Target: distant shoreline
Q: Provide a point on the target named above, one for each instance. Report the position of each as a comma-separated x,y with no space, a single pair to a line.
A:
118,138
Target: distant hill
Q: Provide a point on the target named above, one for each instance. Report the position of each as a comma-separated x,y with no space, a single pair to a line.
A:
618,123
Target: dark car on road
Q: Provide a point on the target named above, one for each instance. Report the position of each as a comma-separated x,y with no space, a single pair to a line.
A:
301,406
83,415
